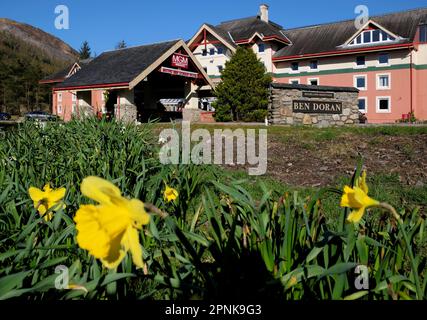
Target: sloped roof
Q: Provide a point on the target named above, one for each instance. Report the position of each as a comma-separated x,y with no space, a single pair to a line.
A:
329,37
244,29
61,75
119,66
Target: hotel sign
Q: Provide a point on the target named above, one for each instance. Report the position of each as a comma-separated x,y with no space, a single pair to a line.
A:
177,72
180,61
310,106
316,94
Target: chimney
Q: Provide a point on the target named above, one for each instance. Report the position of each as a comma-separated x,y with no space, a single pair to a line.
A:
263,9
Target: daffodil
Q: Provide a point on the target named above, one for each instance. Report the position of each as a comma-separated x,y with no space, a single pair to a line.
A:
357,198
47,200
110,229
170,194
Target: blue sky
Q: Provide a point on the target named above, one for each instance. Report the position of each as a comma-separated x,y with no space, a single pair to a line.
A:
104,23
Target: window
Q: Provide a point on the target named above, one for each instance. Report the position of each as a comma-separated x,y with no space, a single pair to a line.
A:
295,66
220,50
383,82
220,68
73,108
59,96
212,51
313,82
74,96
376,36
383,104
361,61
363,105
423,33
314,65
360,82
261,47
383,58
294,81
372,36
59,108
204,52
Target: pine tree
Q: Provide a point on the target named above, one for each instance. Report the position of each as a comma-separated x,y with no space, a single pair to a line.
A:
85,51
243,93
121,45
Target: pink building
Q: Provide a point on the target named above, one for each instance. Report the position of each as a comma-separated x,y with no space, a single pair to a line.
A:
386,58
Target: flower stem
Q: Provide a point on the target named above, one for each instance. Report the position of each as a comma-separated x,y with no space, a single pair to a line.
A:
398,218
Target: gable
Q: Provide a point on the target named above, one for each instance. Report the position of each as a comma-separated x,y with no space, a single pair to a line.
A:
372,33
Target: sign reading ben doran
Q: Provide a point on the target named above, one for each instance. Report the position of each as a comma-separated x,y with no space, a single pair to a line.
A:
311,106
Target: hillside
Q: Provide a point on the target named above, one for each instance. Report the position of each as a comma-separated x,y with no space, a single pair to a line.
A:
28,54
52,46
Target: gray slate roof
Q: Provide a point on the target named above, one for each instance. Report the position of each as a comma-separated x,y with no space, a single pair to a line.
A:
243,29
118,66
60,75
328,37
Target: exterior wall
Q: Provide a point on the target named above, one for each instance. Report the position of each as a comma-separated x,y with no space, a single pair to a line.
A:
84,102
211,62
125,107
420,81
341,71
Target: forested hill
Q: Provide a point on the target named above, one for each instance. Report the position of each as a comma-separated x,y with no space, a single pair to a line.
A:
28,54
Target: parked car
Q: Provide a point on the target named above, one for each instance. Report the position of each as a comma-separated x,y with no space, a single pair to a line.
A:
40,116
4,116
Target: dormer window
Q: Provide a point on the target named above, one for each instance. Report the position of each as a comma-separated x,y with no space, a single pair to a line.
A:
372,36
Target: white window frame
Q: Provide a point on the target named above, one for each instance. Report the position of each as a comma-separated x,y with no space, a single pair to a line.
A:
389,104
354,42
74,107
309,65
366,104
383,64
292,80
262,44
356,66
295,71
74,96
358,77
59,96
311,79
59,109
379,87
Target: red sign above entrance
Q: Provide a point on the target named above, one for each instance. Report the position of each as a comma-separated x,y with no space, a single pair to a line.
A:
177,72
180,60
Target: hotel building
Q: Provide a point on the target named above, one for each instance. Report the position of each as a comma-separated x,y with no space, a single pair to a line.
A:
386,59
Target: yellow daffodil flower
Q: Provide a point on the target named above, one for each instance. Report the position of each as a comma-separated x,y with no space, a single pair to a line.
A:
170,194
47,199
109,230
357,198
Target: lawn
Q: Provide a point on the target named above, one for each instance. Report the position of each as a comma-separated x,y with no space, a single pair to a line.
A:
281,236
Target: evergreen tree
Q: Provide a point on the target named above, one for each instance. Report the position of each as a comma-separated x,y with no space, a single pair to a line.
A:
85,51
121,45
243,93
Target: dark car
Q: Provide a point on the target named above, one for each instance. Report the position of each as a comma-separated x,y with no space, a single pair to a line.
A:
4,116
40,116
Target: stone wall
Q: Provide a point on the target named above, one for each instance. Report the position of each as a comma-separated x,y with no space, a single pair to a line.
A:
285,98
126,112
